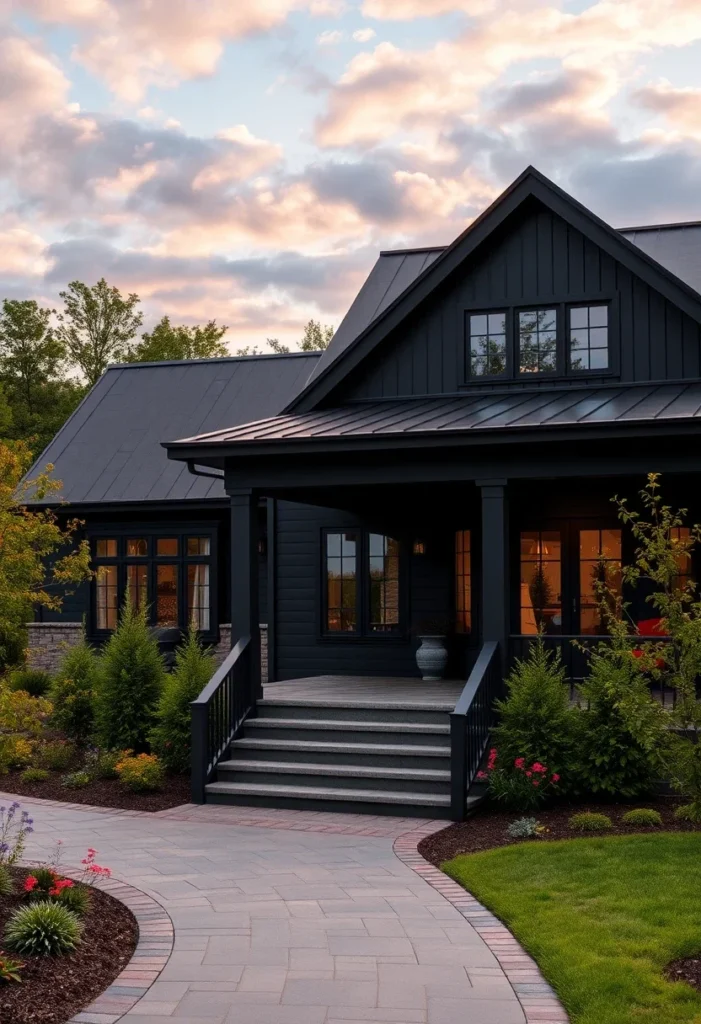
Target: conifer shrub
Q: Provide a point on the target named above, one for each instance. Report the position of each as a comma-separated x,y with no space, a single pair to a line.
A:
170,738
131,683
74,691
590,821
642,816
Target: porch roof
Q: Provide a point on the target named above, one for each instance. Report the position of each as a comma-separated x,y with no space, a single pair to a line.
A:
522,409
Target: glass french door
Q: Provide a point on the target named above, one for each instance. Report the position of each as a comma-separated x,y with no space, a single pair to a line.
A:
560,570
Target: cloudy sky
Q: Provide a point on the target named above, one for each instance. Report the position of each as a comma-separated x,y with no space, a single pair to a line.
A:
246,159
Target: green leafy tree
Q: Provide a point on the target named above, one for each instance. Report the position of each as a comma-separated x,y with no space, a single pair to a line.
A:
168,342
96,326
170,738
275,345
131,683
40,560
74,690
316,337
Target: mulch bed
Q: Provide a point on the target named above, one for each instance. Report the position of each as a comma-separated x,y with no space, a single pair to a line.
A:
688,970
487,828
101,793
53,989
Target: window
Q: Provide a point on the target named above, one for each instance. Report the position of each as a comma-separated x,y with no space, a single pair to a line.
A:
599,571
384,583
487,349
169,575
588,338
537,341
682,535
362,578
541,582
463,574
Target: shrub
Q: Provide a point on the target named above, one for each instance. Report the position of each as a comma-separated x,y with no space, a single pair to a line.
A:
141,773
518,785
535,719
56,756
170,738
43,929
35,775
524,828
9,968
76,780
33,681
6,885
74,690
590,821
102,764
642,816
131,684
76,898
15,752
20,713
686,812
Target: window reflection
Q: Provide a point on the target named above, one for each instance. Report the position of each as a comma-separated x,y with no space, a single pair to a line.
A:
537,340
341,576
487,344
588,338
383,553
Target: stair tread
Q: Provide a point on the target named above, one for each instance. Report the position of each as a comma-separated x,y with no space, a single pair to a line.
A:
347,702
375,796
371,772
356,725
403,750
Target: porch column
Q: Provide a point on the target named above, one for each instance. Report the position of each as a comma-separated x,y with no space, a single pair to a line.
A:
244,578
495,563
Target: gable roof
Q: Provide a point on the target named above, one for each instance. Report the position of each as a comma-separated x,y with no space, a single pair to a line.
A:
110,449
388,297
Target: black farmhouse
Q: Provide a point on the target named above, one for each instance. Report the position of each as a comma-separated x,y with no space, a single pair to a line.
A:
445,468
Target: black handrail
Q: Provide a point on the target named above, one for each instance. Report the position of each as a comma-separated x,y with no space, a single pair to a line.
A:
218,713
471,724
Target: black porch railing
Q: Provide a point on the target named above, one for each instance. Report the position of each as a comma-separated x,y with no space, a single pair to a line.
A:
573,653
218,714
471,724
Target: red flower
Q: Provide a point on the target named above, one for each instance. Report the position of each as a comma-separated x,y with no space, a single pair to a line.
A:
30,883
482,775
520,763
528,774
538,767
536,782
555,778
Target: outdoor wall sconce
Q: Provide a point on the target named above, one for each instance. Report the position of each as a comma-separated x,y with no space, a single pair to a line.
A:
419,547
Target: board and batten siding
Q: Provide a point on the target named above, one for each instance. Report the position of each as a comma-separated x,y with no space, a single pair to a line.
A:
534,259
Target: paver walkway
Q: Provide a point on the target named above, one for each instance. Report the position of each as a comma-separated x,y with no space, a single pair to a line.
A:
289,925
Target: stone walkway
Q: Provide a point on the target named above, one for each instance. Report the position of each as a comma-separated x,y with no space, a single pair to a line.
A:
289,924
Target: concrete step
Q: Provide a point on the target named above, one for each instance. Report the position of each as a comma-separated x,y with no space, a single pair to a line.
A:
354,777
389,755
354,710
348,731
325,798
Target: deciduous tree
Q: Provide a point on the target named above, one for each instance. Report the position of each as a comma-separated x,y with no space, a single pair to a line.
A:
169,341
97,325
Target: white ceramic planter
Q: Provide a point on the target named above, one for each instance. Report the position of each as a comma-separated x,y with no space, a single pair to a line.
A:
432,658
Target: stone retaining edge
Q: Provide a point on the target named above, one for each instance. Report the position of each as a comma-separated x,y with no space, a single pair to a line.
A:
538,1000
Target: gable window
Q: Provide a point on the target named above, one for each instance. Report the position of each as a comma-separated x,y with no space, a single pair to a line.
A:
588,338
537,340
487,344
463,582
362,578
169,575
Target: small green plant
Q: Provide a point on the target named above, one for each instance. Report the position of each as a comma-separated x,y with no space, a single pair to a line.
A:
590,821
141,773
33,681
76,898
43,929
55,756
76,780
170,738
6,884
686,812
74,691
32,774
9,968
642,816
524,828
102,764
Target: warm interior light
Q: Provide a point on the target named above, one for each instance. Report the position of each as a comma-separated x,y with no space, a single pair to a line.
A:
419,547
537,548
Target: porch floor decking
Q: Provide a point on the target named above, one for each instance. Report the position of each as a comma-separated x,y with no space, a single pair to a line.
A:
367,691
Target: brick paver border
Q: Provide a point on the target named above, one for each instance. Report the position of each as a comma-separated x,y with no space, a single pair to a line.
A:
538,1000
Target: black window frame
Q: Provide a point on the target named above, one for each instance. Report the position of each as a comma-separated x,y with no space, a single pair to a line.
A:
362,596
122,534
508,353
559,341
568,348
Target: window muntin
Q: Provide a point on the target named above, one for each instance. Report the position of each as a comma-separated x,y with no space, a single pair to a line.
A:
383,566
107,597
487,344
463,581
541,582
198,545
106,547
341,582
599,571
167,547
137,582
588,338
537,341
198,596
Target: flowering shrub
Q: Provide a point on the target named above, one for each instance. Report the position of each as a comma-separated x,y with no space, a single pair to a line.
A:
9,968
519,786
21,713
91,870
14,829
47,884
141,773
15,752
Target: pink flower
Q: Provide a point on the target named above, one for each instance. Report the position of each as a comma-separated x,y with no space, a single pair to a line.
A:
528,774
536,782
520,762
482,775
538,767
555,778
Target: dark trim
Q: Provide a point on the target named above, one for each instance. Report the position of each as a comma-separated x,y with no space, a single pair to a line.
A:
271,532
662,227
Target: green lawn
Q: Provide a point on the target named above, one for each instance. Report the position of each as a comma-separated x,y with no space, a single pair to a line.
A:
602,917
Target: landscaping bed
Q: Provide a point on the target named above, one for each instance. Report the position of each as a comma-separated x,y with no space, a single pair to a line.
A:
53,989
487,828
101,792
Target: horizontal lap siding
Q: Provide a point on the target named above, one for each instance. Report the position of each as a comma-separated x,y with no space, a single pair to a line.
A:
540,258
